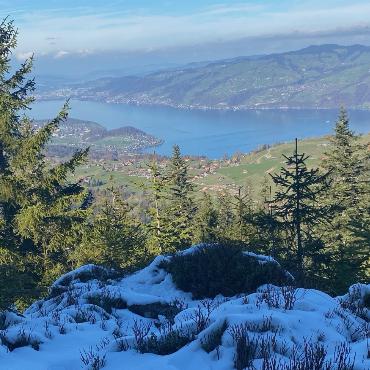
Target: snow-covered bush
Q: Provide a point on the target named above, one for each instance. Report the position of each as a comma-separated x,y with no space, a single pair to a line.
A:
209,270
144,321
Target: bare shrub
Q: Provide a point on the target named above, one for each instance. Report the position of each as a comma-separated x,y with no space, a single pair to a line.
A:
169,339
48,333
22,339
356,303
122,345
289,294
201,315
284,297
343,358
355,330
94,360
270,296
141,330
62,328
264,326
313,356
245,347
213,340
84,315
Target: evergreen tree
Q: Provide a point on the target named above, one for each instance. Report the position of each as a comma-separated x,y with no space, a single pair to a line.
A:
244,230
206,221
180,209
296,204
225,217
270,239
40,210
114,238
156,208
348,240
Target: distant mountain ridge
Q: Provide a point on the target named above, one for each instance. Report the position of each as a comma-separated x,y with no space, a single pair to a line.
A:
322,76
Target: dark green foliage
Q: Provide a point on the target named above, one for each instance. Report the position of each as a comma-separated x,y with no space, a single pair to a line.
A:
153,310
15,282
114,236
210,342
156,208
225,217
179,208
244,212
348,239
172,210
41,211
296,204
206,221
221,269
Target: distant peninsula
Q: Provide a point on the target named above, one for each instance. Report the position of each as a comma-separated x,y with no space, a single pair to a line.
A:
77,134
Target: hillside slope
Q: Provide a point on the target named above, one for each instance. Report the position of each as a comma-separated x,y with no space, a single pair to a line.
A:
325,76
75,134
94,319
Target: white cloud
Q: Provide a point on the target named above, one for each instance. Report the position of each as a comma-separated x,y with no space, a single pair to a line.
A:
61,54
141,31
24,55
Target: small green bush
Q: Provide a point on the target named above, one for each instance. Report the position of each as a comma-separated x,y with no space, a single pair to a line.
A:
222,269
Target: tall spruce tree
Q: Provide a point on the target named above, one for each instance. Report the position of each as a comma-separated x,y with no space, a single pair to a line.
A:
40,210
157,188
347,242
180,209
296,204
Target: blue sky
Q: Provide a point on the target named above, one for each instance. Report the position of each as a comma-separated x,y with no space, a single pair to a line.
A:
85,26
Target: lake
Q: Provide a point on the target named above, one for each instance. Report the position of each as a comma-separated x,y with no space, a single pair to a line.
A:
211,133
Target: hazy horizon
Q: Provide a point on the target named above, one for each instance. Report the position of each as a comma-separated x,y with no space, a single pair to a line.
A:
124,37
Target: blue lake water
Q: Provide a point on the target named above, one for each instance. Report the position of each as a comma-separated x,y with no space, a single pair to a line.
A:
211,133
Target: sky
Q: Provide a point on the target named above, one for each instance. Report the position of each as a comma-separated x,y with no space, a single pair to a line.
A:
162,32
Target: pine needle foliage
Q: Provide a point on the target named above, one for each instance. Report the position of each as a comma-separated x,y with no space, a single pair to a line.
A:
296,203
40,210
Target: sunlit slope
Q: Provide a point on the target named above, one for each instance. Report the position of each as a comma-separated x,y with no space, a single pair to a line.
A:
316,77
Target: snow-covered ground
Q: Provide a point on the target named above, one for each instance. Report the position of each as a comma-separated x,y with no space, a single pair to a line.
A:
89,323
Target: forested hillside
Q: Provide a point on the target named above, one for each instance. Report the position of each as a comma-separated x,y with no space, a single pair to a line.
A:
325,76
